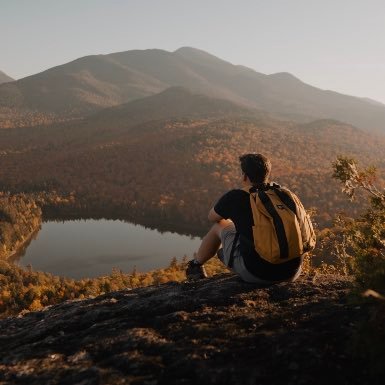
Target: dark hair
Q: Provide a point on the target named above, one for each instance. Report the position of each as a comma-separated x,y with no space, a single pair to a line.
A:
256,166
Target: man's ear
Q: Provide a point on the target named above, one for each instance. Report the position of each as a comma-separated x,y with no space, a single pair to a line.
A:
244,177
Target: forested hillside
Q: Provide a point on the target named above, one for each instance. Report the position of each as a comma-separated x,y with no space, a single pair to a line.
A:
20,218
168,172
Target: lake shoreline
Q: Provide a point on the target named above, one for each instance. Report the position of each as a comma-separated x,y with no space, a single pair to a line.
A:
74,212
25,214
92,248
19,249
20,220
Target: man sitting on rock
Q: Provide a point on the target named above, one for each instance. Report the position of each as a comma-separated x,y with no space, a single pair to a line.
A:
234,217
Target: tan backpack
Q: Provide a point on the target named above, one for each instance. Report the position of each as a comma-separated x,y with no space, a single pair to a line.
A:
282,229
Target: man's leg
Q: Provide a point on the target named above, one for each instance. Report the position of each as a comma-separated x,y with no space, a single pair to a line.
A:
208,248
211,241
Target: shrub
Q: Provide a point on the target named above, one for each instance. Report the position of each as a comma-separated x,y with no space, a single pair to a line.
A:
365,235
366,247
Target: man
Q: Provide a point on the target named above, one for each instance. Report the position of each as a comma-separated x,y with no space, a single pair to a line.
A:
233,228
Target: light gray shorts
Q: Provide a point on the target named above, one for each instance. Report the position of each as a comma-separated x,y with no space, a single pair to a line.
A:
227,239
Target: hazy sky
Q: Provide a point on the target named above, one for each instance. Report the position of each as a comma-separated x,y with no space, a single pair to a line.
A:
331,44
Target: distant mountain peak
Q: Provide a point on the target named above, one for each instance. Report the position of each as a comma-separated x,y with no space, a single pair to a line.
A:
174,102
196,54
91,83
187,49
4,78
285,76
374,102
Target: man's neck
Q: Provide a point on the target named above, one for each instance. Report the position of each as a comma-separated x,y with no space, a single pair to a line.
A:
247,182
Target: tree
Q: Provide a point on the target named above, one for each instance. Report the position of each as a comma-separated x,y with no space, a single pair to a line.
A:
365,235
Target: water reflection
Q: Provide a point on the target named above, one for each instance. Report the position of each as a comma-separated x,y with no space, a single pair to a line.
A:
90,248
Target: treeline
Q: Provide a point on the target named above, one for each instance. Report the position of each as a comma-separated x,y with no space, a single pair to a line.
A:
20,218
14,117
26,290
21,215
167,174
362,249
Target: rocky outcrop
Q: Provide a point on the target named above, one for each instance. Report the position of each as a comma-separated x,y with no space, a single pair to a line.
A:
214,331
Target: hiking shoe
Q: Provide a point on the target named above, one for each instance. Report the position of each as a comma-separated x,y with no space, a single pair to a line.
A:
195,270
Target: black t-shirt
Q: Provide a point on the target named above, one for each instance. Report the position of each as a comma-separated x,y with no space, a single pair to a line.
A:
235,205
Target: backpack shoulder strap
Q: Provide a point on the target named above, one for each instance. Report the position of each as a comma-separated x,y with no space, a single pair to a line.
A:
285,197
306,226
257,206
278,224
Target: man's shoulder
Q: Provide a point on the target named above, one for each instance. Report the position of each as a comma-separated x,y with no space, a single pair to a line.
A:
236,192
229,201
232,195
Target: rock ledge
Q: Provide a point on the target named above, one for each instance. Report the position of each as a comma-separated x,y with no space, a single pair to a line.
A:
214,331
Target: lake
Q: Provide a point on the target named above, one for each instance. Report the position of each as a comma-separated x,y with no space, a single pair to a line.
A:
90,248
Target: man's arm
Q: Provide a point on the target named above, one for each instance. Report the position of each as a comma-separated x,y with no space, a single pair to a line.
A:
214,217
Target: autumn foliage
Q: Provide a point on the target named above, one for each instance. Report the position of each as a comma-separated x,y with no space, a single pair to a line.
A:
166,174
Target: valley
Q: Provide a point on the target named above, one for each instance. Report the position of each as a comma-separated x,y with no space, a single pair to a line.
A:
157,144
167,172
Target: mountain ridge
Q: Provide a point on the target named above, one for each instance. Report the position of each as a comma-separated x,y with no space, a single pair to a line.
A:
91,83
4,78
173,102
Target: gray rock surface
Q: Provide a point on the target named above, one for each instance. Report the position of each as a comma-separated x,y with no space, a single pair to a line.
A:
214,331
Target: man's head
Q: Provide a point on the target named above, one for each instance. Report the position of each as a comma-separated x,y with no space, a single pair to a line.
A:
256,167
